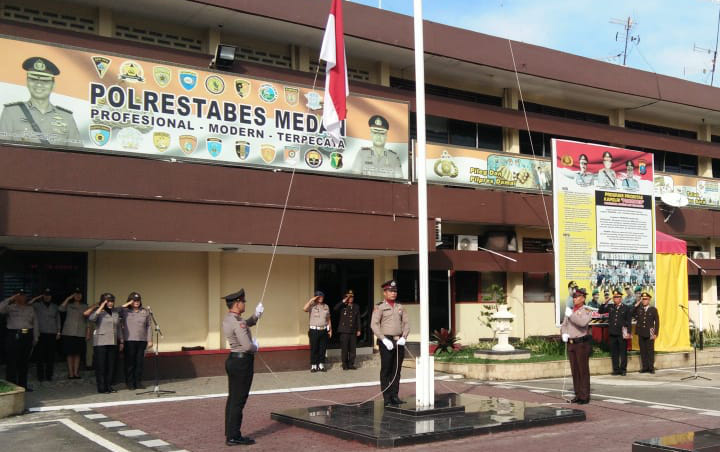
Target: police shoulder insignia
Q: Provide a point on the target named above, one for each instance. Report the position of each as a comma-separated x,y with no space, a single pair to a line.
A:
188,79
64,109
101,64
161,140
100,134
215,84
268,93
267,152
313,158
130,71
13,104
214,146
242,88
162,76
292,95
314,101
188,143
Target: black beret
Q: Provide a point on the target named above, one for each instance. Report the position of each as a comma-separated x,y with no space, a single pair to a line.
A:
389,285
378,122
239,295
40,68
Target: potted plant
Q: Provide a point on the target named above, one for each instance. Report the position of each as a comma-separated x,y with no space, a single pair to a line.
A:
445,340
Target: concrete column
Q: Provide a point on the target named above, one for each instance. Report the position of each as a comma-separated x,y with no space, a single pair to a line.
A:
617,118
106,25
511,98
215,339
383,73
515,303
213,39
303,59
705,163
511,137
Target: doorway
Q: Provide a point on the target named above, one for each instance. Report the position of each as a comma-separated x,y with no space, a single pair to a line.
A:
335,277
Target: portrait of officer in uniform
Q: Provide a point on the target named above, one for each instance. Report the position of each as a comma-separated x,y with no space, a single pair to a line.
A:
37,120
377,160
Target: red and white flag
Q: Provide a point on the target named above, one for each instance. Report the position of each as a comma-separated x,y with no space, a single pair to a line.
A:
336,82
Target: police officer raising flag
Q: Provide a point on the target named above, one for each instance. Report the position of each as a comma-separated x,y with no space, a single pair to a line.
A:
391,327
239,365
37,120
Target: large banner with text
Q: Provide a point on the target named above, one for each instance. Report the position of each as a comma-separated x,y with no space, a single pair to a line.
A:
604,221
62,97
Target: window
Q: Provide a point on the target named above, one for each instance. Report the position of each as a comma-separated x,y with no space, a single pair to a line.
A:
661,130
538,287
466,286
536,245
564,113
716,167
459,133
408,286
451,93
694,283
542,143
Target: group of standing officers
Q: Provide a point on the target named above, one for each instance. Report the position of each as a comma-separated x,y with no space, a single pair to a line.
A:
575,330
35,325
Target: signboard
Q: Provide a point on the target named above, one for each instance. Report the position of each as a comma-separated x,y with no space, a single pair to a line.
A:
453,165
699,191
64,97
604,221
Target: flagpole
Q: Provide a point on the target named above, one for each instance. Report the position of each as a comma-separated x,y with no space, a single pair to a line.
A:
424,366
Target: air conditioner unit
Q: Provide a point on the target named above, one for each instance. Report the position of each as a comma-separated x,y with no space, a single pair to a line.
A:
438,231
467,243
701,255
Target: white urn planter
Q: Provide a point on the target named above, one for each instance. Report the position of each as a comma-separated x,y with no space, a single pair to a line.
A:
501,322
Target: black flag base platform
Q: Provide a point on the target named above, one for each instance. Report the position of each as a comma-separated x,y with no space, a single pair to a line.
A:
701,440
453,416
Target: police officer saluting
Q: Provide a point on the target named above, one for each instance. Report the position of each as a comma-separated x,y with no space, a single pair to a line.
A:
239,364
37,120
107,339
320,330
391,327
48,317
22,333
619,323
349,329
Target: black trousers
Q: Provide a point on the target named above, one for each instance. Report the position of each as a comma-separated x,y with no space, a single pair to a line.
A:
240,376
45,353
318,345
348,343
134,360
390,365
104,357
647,352
618,353
579,357
18,347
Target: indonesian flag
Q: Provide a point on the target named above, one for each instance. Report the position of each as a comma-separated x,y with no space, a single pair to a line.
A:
336,82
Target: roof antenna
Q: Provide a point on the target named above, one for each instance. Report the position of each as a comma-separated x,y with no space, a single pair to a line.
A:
627,24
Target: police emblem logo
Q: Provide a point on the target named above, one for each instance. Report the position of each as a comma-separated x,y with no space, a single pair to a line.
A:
39,65
642,167
566,160
242,149
130,71
161,140
268,93
100,134
292,95
101,65
162,76
313,101
188,143
313,158
188,79
214,146
336,160
215,84
267,152
242,88
291,155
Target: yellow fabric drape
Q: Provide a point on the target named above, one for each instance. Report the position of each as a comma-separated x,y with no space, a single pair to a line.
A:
671,291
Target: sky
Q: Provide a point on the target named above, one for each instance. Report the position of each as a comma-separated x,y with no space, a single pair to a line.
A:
669,31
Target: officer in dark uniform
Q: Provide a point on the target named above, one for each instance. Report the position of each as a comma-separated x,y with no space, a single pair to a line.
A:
239,364
37,120
647,329
22,333
48,316
619,323
391,326
349,329
377,160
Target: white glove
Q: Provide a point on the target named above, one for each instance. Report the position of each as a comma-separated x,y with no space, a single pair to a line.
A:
255,343
259,309
565,337
568,312
401,341
388,343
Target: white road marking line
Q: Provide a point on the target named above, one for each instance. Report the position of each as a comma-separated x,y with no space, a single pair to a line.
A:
95,416
473,383
112,424
154,443
97,439
623,398
132,433
82,410
663,407
539,391
711,413
616,401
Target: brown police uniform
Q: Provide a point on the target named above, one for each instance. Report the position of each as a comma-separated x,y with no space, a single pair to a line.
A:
579,346
239,367
390,321
348,328
648,323
22,331
48,317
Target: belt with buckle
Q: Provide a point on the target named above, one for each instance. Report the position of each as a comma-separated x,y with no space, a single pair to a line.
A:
21,330
578,340
318,327
240,355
